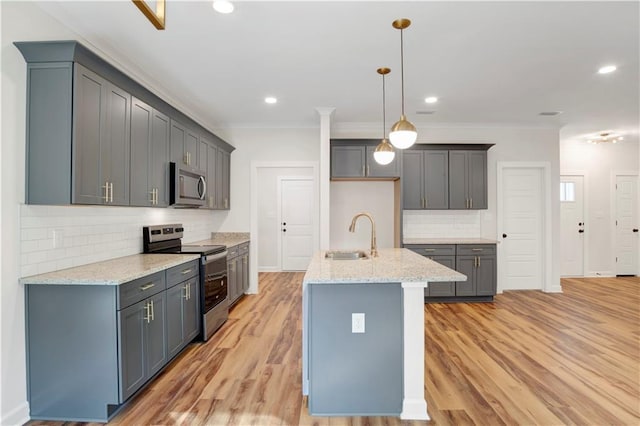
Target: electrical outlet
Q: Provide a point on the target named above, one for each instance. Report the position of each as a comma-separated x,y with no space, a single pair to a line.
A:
357,323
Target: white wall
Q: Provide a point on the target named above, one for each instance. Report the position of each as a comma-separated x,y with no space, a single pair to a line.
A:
599,162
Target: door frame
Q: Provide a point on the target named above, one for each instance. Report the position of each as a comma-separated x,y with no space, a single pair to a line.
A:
585,214
548,286
254,190
614,213
316,216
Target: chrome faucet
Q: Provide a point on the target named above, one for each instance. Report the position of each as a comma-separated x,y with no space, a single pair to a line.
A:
352,228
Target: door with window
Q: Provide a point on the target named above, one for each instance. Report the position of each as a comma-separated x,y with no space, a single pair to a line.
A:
572,225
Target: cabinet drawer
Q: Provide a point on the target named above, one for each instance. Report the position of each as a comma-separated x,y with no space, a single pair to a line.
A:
476,249
136,290
233,252
181,273
433,249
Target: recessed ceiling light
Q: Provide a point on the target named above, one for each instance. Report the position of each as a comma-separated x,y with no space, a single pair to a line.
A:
550,113
223,6
431,100
270,100
607,69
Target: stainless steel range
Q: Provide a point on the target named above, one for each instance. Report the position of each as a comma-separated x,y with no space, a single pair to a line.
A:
214,303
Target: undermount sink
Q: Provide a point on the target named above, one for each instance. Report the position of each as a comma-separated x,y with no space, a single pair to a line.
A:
346,255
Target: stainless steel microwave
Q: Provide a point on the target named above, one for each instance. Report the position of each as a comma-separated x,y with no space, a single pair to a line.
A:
188,186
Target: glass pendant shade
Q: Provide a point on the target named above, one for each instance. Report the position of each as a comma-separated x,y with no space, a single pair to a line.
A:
384,153
403,134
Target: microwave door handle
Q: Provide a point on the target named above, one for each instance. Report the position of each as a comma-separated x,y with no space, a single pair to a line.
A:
204,187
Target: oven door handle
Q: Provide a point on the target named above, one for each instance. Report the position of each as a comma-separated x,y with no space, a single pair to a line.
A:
213,257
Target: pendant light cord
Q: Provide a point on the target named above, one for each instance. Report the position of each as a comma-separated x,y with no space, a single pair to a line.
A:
402,68
384,112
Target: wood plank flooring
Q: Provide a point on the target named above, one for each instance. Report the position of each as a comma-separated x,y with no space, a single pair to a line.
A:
528,358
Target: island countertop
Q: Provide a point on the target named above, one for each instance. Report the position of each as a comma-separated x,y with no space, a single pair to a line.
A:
394,265
111,272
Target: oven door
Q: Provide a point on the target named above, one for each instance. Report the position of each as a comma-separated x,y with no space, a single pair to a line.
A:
214,284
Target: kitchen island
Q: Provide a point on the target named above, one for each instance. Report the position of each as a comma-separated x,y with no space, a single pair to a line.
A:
363,333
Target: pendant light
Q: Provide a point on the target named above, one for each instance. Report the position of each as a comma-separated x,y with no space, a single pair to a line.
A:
384,153
403,134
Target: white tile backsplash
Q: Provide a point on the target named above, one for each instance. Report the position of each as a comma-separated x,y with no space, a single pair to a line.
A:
87,234
441,224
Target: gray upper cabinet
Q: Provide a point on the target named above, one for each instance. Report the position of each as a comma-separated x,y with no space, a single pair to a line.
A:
223,163
81,120
348,161
468,180
212,200
150,154
425,179
353,159
101,140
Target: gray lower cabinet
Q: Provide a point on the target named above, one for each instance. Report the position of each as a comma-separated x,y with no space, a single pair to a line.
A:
354,159
237,271
91,347
425,179
101,135
467,179
476,261
150,155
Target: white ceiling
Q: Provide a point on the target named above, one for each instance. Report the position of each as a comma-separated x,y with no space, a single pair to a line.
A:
490,63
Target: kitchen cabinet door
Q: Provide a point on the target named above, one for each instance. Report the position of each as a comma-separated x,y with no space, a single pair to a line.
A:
155,335
90,105
378,170
141,192
466,265
203,146
486,276
191,310
245,273
212,182
115,151
477,175
159,158
436,179
442,289
348,161
191,148
412,180
226,180
131,344
178,141
175,314
458,180
232,275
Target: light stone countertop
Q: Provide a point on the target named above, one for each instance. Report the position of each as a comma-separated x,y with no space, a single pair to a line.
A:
391,266
228,239
111,272
449,241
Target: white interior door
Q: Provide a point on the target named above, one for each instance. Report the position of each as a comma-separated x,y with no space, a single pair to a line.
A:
626,225
298,229
522,212
572,226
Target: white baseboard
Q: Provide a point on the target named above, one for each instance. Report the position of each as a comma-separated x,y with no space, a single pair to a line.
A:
17,416
268,269
554,289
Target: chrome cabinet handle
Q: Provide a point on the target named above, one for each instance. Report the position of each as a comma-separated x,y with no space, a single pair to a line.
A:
147,315
429,250
471,203
476,249
111,190
106,192
478,261
153,312
147,286
186,271
153,197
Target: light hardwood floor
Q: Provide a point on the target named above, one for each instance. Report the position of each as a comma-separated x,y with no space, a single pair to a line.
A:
527,358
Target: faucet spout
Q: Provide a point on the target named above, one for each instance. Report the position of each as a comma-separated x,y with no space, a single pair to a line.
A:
352,228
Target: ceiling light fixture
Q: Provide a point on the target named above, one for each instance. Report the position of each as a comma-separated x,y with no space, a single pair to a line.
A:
607,69
605,137
223,6
156,17
403,132
384,153
431,100
270,100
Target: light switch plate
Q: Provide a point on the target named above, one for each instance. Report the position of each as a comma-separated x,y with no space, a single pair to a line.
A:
357,322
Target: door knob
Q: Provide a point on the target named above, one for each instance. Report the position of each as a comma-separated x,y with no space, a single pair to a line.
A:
581,230
504,235
284,223
635,229
284,230
580,224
